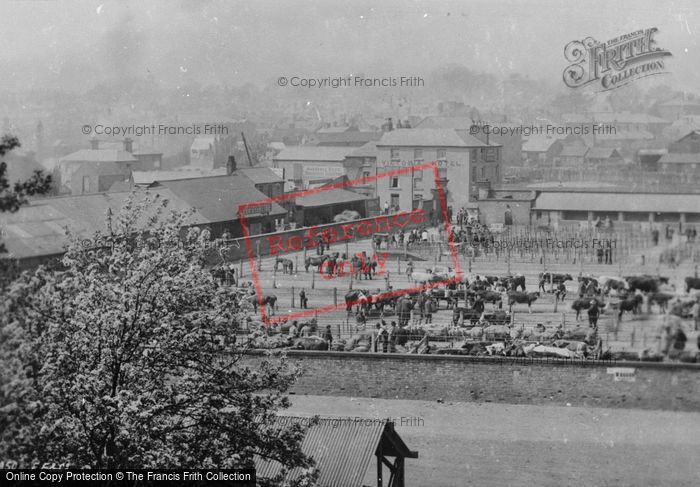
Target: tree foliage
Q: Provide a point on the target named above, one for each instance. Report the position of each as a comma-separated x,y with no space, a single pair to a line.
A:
127,357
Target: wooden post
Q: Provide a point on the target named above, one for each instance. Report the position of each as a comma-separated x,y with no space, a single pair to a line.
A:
563,320
292,296
388,284
296,264
257,244
508,259
313,278
556,300
240,271
440,251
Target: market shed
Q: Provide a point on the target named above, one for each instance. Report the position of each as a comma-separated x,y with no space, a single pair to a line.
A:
344,449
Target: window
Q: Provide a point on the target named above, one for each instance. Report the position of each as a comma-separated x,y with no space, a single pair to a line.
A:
395,155
418,156
491,154
483,173
473,173
473,156
442,154
498,173
86,184
394,182
417,183
365,174
394,200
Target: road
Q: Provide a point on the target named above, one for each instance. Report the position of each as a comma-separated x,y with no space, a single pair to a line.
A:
462,444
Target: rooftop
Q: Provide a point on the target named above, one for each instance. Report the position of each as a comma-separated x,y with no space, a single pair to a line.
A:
99,155
314,153
679,158
38,229
260,175
429,138
343,449
367,150
330,197
218,198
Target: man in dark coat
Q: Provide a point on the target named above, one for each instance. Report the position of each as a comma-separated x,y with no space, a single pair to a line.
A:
593,314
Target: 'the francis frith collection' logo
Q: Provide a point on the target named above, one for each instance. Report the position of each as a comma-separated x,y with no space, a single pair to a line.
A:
616,62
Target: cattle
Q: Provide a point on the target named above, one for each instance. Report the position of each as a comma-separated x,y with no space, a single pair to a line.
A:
645,283
465,314
692,283
497,317
584,303
630,303
612,283
490,296
514,283
661,299
555,278
316,260
287,265
357,296
522,298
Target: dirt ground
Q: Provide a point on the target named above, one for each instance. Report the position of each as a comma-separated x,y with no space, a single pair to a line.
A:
462,444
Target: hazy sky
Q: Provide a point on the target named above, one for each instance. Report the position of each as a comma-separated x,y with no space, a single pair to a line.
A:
74,44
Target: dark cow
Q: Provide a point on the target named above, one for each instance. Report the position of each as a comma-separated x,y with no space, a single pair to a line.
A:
556,278
645,283
661,299
692,283
583,304
630,303
490,296
514,283
468,314
315,260
521,297
359,297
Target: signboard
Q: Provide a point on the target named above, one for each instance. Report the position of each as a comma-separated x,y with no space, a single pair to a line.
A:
622,374
322,171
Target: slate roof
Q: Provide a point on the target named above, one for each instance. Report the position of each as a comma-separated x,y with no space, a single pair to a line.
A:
99,155
314,153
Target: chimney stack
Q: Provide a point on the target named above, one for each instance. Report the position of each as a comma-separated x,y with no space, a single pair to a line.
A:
94,143
230,165
128,145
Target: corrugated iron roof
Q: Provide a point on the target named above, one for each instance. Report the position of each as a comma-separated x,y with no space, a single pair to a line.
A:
38,229
343,449
641,202
219,198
